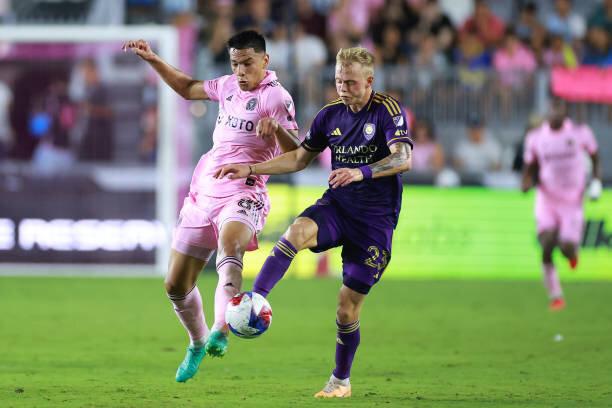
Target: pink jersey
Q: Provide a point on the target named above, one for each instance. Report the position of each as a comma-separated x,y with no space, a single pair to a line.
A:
234,138
560,155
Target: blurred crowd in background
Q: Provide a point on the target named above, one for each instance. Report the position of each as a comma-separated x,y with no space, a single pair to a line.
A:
473,63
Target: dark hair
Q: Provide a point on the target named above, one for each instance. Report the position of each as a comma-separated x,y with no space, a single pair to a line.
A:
247,39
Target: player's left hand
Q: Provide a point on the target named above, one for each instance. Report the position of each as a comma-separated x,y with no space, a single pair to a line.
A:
595,189
266,127
344,177
233,171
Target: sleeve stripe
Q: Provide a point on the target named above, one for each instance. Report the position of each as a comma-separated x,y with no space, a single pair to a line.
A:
399,139
389,103
310,148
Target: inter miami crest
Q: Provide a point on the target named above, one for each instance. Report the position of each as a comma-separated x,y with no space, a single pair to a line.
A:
251,104
368,130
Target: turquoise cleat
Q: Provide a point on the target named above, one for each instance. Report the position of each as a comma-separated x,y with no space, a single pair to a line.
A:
191,363
216,346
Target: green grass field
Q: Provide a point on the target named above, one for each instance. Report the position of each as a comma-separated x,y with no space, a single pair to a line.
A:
78,342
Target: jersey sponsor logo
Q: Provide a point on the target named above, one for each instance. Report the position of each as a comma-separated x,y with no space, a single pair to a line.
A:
401,132
369,129
229,98
251,104
336,132
237,123
398,120
363,154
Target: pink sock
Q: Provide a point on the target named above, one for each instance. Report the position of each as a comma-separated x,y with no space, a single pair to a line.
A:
189,310
230,280
551,281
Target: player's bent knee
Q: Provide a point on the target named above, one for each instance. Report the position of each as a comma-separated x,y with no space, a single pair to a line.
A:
175,288
301,232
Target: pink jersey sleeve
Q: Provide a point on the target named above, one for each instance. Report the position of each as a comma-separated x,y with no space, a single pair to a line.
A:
279,105
588,140
213,87
529,153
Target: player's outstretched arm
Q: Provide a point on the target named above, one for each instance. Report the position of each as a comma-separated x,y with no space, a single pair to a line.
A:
400,160
290,162
182,83
595,187
529,172
287,139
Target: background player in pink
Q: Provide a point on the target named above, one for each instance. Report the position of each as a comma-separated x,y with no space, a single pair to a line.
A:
555,151
256,122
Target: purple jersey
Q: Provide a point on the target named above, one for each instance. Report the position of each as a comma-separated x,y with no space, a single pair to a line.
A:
357,139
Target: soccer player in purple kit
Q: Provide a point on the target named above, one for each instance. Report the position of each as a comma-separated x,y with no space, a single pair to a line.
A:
368,135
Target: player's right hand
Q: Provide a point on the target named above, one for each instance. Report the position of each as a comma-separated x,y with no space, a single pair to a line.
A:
233,171
140,48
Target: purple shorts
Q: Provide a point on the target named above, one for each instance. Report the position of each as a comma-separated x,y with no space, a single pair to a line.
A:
366,246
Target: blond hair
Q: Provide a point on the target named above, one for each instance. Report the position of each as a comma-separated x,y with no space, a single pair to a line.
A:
360,55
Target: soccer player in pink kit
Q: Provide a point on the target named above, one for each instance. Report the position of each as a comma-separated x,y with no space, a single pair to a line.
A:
256,122
556,151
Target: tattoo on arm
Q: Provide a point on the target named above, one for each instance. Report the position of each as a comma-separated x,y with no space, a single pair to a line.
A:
394,163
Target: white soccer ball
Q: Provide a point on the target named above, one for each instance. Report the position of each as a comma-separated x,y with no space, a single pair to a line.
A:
248,315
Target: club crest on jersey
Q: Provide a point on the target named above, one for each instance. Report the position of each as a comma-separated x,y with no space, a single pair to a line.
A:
398,120
251,104
368,130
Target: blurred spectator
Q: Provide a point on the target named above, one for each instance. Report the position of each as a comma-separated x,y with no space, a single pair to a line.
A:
538,43
98,139
311,20
528,22
396,12
392,50
428,154
602,16
487,26
562,21
256,15
277,46
433,22
221,31
598,50
560,54
351,18
428,62
473,61
480,152
6,133
513,62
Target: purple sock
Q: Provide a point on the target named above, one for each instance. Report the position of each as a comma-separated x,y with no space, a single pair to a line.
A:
275,267
346,346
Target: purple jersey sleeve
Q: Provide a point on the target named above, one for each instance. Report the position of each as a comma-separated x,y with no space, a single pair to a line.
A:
213,87
395,125
315,140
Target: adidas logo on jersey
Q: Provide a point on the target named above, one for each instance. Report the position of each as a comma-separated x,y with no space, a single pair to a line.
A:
336,132
229,98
